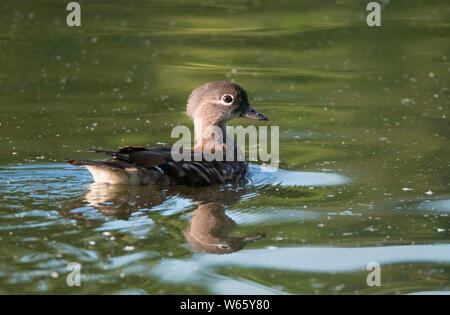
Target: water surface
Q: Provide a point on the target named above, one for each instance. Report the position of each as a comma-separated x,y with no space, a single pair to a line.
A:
364,147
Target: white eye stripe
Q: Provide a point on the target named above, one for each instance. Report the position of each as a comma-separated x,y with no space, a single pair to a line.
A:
214,102
221,102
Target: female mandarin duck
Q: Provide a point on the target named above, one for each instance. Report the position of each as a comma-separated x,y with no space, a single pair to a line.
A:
213,104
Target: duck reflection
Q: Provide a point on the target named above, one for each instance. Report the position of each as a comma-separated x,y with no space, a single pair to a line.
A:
210,230
121,200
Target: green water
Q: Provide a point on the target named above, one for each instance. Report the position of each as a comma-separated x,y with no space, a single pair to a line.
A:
364,146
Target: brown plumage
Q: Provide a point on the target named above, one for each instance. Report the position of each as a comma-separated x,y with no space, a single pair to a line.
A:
212,104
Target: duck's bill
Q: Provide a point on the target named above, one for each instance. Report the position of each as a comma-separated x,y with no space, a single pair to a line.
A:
254,114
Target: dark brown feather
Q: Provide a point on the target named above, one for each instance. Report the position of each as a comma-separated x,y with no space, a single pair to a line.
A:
190,173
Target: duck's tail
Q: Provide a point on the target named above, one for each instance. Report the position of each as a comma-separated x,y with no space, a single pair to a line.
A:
111,172
121,169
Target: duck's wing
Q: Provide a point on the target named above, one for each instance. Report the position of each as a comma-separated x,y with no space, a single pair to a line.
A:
190,173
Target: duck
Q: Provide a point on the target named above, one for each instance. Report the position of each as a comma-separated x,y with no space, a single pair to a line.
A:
212,105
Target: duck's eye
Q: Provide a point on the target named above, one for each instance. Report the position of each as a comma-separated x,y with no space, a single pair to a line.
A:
227,99
224,246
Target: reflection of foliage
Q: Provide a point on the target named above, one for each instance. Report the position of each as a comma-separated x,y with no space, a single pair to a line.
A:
296,59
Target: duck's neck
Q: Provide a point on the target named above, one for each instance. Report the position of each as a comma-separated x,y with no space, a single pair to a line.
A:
208,132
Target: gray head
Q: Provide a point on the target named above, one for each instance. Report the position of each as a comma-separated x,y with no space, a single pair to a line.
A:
218,102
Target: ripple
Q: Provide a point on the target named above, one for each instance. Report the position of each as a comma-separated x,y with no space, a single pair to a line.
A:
269,215
326,260
330,259
263,175
438,204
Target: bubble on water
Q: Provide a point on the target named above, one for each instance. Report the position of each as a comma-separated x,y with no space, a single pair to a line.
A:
406,101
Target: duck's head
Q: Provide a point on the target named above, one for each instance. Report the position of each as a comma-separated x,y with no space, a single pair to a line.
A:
217,102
